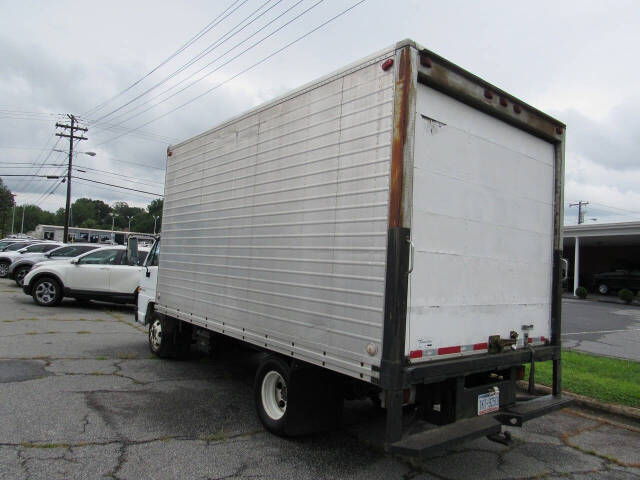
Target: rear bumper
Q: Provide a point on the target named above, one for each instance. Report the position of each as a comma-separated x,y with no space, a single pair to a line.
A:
439,370
431,437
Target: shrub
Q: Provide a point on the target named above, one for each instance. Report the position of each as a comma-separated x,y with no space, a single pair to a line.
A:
625,295
581,292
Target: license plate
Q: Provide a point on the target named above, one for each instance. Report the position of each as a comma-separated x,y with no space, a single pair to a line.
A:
488,402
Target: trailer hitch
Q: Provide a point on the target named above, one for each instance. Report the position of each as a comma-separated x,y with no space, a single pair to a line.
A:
497,344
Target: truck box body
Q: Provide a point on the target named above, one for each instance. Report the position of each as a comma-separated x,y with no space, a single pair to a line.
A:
394,215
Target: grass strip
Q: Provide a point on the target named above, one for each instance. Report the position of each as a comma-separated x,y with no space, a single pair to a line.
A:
610,380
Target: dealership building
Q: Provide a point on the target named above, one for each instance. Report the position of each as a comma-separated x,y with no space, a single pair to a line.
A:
597,248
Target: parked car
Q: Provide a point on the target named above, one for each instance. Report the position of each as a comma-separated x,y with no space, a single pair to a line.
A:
615,280
13,245
102,274
21,265
9,256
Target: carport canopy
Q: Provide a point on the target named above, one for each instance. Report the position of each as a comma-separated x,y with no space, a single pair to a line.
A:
613,235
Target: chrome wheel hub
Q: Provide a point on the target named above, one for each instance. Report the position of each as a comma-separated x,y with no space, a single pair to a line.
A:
155,335
274,395
46,292
20,274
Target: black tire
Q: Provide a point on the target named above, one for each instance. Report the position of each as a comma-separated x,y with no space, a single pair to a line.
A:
161,338
312,400
47,292
19,274
4,268
269,418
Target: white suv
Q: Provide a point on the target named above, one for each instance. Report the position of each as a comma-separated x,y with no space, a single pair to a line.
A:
9,256
102,274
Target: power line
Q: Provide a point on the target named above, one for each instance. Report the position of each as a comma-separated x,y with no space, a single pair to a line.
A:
183,47
114,190
142,181
264,59
228,61
118,186
193,60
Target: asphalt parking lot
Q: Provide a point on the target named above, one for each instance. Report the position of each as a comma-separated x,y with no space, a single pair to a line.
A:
81,397
601,328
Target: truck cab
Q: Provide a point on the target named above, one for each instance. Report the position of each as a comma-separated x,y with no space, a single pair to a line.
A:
146,297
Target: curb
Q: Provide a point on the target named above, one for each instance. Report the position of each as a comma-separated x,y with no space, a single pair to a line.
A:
621,410
612,300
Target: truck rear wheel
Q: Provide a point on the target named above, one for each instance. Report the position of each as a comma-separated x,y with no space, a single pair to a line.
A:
296,401
271,394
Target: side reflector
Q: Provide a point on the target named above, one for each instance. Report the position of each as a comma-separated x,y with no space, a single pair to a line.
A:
415,354
448,350
481,346
387,64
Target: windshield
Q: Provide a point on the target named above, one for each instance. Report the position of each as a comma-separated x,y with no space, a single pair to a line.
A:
72,251
15,246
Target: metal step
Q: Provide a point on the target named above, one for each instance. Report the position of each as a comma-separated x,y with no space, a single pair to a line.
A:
447,435
522,412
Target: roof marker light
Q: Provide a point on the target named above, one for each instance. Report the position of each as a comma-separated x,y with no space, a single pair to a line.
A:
387,64
488,94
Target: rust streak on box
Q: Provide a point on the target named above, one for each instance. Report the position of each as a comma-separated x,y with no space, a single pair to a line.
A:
400,122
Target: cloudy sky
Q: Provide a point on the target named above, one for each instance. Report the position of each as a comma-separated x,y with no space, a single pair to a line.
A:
574,60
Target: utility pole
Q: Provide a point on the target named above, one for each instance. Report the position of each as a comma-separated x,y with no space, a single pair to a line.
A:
13,218
155,219
72,129
22,227
580,204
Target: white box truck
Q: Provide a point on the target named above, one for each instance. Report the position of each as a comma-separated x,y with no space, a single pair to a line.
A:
392,229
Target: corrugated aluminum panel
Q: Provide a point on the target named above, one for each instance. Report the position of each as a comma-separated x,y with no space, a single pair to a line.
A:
275,224
482,226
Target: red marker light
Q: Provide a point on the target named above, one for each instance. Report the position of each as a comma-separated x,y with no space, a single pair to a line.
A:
387,64
415,354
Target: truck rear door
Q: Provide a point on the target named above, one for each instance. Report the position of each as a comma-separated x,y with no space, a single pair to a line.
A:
482,231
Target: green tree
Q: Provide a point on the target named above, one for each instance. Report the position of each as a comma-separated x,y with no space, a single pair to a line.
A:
6,206
33,216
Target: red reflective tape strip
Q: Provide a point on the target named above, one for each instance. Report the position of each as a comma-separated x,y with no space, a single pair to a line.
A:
448,350
481,346
415,354
530,340
542,339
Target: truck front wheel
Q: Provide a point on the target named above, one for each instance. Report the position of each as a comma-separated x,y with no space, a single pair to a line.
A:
160,339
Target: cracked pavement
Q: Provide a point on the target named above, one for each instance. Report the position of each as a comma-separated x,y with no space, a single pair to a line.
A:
82,398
